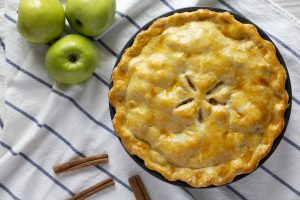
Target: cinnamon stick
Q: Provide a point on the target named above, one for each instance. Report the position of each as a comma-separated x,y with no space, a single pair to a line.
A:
80,163
93,189
138,188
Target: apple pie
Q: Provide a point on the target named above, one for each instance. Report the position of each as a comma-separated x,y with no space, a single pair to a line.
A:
200,97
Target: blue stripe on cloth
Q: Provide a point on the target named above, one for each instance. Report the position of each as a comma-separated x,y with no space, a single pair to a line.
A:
280,180
10,19
37,166
230,7
62,95
82,155
1,123
292,51
129,19
84,111
291,143
28,116
167,4
28,73
114,177
11,194
108,48
64,140
296,100
189,193
101,79
236,192
43,125
2,44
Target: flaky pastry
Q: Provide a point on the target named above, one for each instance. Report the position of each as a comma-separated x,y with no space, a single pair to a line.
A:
200,97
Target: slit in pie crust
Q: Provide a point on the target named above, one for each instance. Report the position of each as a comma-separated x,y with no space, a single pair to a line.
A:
200,97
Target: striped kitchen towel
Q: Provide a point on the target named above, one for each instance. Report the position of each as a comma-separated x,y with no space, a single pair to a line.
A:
43,122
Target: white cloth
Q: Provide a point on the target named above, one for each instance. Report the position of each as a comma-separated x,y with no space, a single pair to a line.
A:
47,123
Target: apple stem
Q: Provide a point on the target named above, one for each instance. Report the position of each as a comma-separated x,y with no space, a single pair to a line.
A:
78,22
72,58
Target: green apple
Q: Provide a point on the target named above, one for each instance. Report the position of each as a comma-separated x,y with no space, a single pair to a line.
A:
90,17
40,21
72,59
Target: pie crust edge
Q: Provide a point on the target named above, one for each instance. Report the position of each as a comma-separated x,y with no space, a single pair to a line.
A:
216,175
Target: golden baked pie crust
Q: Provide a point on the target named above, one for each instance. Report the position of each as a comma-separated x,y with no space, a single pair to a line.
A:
138,114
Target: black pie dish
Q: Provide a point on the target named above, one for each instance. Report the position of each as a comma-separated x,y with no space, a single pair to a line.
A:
288,88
